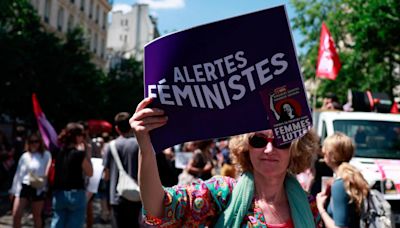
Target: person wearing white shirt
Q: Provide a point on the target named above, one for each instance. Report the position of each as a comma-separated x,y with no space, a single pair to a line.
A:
35,161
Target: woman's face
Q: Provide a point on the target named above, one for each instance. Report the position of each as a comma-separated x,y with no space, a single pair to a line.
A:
80,138
269,160
34,144
328,157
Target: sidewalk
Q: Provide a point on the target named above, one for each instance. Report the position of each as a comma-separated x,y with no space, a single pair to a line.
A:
27,220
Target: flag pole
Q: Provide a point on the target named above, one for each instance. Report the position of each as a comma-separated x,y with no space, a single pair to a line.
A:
314,113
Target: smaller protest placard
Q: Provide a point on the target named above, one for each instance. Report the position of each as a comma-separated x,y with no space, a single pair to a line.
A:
182,159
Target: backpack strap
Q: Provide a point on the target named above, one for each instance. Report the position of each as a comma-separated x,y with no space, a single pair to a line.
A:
114,153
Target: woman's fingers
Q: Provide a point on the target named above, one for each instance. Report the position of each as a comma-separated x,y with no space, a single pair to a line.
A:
146,119
146,101
155,125
152,120
147,112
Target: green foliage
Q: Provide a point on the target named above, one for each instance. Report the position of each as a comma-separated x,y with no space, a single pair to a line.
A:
124,87
367,32
69,87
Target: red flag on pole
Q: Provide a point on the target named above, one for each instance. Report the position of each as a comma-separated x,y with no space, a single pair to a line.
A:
328,63
47,131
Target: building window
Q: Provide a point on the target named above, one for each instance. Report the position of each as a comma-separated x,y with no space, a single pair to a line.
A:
91,6
89,39
103,45
47,10
83,5
126,22
60,19
104,20
95,43
97,14
70,23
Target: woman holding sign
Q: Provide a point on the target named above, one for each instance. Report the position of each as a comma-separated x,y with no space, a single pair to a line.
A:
266,194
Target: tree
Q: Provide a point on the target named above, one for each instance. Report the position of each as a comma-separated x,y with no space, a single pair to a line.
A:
124,87
366,36
68,85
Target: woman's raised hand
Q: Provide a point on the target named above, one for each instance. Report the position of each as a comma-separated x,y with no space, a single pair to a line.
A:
146,119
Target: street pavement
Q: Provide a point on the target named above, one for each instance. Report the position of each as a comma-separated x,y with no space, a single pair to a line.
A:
27,220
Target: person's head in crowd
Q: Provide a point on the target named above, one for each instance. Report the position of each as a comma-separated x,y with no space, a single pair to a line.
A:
331,102
222,143
122,125
73,134
189,146
106,137
337,148
99,141
85,126
34,143
250,151
204,145
20,132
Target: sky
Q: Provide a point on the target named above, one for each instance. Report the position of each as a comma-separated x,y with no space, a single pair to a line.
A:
175,15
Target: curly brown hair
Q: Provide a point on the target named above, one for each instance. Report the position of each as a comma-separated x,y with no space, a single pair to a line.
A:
69,133
302,152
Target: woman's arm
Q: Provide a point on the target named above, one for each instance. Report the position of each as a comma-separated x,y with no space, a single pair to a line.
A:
338,210
151,191
87,167
271,106
48,164
208,167
193,170
17,180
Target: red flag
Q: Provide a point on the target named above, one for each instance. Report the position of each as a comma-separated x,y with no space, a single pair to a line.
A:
394,109
47,131
328,63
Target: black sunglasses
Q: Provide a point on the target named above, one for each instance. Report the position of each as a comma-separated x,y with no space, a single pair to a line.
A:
257,141
34,141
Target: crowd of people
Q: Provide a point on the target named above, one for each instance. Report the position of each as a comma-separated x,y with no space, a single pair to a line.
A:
245,180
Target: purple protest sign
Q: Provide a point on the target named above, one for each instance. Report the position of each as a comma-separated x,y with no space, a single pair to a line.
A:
226,78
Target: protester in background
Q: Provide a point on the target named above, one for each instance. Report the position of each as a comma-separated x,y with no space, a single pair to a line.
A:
124,213
87,146
227,168
331,102
265,195
189,146
201,164
34,162
104,186
71,167
340,204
